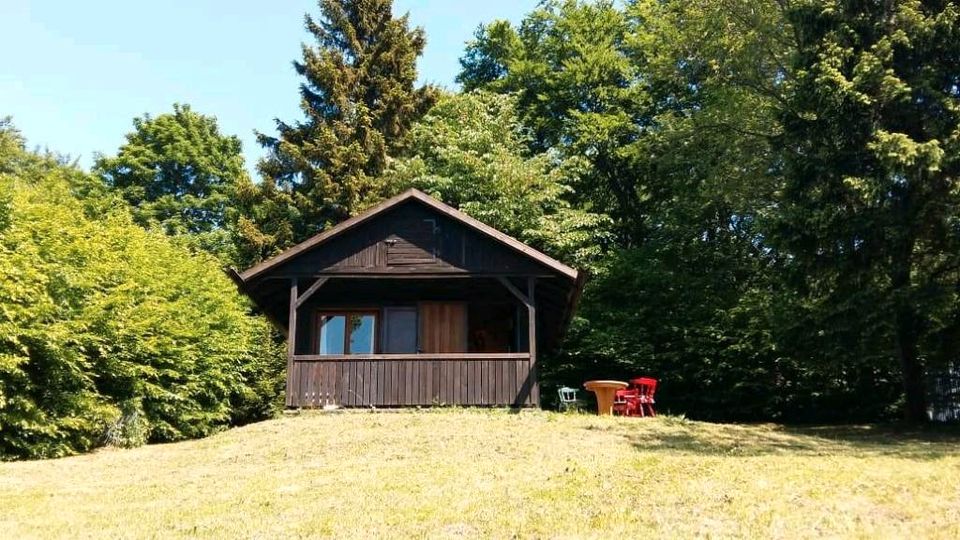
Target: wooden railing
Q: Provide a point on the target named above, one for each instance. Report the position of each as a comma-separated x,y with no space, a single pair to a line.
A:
389,380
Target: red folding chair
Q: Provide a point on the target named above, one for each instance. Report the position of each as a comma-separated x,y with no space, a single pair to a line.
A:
645,388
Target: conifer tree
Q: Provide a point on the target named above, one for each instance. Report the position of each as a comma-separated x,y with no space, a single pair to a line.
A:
871,152
358,98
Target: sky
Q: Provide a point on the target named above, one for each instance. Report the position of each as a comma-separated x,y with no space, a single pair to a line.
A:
75,74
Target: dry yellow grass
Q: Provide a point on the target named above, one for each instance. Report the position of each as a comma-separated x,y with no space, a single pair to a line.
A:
466,473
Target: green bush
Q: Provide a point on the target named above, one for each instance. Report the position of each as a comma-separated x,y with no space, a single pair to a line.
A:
109,333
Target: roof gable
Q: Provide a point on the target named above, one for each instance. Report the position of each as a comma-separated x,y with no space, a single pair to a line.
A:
407,244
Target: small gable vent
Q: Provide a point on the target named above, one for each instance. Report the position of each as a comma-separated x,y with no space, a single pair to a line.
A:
414,242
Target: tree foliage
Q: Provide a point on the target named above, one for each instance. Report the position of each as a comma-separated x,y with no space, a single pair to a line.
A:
181,175
622,89
470,151
109,332
570,65
871,153
762,161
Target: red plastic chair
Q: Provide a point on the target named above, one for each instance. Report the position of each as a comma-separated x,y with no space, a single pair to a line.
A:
625,402
645,387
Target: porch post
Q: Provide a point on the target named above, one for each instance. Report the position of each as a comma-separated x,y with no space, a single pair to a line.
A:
530,301
532,336
291,340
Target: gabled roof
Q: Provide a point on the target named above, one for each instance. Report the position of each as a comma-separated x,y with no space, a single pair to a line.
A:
419,196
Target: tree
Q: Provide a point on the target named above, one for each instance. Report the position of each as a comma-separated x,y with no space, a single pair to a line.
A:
471,151
110,333
871,158
180,174
358,99
678,155
578,91
262,220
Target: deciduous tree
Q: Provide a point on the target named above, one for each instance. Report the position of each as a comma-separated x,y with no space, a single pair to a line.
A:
179,174
471,151
110,333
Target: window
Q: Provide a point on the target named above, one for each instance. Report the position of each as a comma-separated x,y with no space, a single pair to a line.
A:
361,333
331,331
346,332
399,330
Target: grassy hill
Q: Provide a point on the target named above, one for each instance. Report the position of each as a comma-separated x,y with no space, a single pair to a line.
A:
467,473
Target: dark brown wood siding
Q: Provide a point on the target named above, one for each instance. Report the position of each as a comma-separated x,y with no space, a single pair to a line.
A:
381,382
414,242
411,238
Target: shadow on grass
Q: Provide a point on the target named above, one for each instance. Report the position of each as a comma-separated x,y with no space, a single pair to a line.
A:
678,435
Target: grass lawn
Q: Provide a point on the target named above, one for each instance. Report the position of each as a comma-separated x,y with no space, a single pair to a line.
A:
467,473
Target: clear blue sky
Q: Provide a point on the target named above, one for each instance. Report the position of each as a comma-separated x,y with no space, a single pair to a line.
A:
75,74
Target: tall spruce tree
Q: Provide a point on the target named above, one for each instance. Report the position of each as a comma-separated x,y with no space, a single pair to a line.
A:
359,100
871,152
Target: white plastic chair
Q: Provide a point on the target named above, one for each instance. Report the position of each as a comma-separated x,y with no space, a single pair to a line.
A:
568,398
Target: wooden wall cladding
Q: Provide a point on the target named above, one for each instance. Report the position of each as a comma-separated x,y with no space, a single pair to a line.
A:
443,327
411,238
398,383
415,242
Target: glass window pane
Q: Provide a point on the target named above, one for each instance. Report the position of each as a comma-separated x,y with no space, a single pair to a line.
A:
361,334
331,334
400,330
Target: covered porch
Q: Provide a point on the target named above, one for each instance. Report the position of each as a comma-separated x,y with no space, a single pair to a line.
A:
360,341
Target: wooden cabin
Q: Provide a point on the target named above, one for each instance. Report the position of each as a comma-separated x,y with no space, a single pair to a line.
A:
413,303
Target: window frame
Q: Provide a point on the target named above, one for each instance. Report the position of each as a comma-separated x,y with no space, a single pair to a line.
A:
346,313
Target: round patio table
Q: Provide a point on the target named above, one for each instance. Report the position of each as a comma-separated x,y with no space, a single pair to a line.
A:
605,391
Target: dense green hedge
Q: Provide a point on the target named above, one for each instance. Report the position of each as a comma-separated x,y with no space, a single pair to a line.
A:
110,333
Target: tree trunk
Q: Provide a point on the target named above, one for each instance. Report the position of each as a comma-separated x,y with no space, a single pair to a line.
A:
915,409
906,319
906,328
